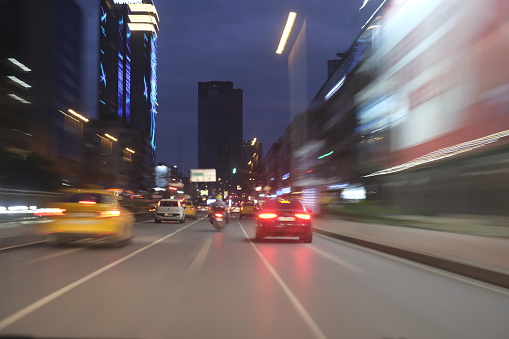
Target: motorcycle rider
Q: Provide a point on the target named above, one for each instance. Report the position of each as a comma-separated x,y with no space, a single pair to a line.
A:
220,205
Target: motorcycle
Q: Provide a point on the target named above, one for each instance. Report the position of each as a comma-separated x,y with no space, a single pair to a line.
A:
219,219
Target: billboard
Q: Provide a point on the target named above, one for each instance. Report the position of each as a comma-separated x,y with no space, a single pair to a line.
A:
161,174
203,175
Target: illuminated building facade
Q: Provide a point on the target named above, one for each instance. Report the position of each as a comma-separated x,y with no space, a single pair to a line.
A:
128,75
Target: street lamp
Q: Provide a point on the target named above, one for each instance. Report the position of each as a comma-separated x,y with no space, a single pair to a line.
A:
286,32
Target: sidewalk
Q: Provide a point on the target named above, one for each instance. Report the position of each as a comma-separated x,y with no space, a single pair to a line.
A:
480,257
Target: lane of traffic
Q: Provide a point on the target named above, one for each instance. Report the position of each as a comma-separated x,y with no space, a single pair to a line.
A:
200,282
231,295
344,288
30,273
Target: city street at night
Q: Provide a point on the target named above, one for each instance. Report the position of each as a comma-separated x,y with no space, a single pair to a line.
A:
190,281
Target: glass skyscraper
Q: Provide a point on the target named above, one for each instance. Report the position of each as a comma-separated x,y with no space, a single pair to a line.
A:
128,74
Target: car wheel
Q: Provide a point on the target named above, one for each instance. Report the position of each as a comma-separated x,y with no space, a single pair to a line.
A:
308,238
54,240
183,220
240,216
130,235
117,242
157,221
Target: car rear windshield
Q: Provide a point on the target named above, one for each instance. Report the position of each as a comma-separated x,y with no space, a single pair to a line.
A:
92,197
169,203
282,204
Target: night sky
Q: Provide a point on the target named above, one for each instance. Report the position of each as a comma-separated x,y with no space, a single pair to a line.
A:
228,40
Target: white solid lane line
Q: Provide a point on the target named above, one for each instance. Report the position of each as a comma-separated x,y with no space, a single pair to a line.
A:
16,246
306,317
338,261
198,261
33,261
424,267
43,301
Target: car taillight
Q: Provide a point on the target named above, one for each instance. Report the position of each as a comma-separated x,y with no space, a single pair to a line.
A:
303,216
87,202
219,215
109,214
267,215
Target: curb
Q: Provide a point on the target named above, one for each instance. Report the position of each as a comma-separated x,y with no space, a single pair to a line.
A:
478,273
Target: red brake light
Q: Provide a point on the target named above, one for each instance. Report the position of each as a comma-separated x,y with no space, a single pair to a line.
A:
303,216
267,215
109,214
219,215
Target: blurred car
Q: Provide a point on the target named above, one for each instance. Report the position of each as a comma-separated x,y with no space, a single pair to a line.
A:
203,207
169,210
248,209
235,209
89,214
189,209
284,218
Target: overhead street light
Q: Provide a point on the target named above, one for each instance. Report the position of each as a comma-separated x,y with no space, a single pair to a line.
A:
286,32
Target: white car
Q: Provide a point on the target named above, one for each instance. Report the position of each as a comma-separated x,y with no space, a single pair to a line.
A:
169,210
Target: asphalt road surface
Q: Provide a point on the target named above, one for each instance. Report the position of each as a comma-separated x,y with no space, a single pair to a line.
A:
191,281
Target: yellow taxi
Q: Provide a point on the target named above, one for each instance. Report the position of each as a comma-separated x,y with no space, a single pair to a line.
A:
189,208
248,209
91,214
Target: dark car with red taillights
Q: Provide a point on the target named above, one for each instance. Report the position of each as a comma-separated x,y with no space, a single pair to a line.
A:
284,218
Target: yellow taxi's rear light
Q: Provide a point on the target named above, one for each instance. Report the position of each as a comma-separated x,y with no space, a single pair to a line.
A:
267,215
303,216
109,214
86,202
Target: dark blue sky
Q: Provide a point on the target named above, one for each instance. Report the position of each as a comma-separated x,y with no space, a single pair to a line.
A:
234,41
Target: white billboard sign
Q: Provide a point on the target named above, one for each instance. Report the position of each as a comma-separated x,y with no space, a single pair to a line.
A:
203,175
161,173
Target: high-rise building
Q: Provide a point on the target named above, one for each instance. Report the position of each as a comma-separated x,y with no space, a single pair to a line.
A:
128,78
40,80
220,129
251,168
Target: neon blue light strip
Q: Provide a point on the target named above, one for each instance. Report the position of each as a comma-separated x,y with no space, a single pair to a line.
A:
153,91
103,75
103,16
128,80
120,85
